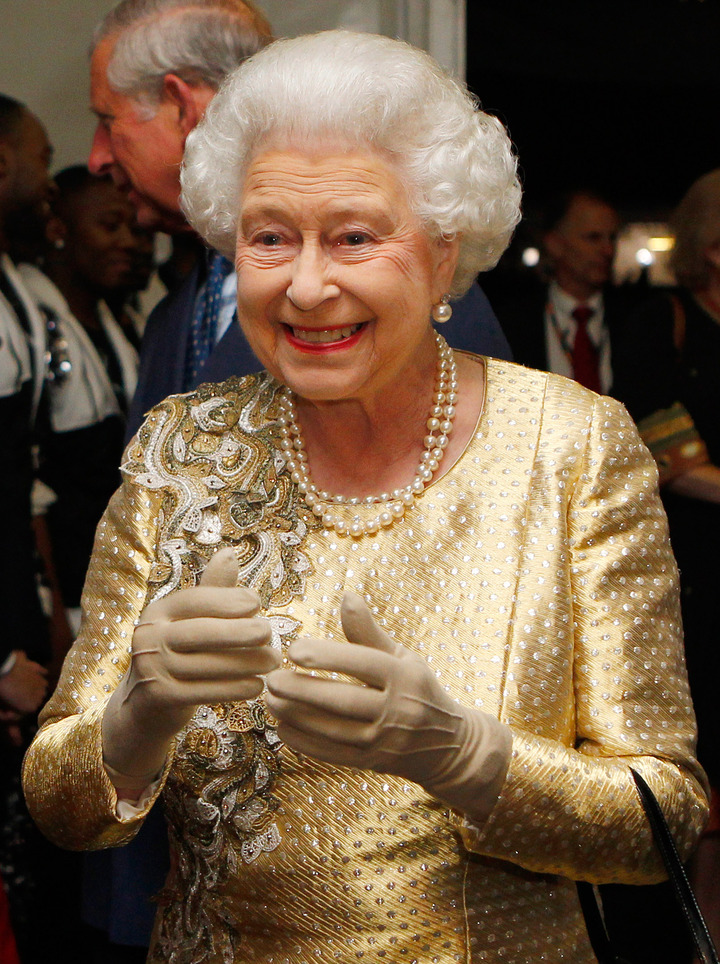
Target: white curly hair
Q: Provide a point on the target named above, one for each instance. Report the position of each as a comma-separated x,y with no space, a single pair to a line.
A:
370,92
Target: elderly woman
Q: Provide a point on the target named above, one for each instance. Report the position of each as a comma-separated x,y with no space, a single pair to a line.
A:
453,573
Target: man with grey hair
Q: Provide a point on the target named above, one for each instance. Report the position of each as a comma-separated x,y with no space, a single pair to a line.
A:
155,67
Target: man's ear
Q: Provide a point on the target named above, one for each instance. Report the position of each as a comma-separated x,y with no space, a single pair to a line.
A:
190,101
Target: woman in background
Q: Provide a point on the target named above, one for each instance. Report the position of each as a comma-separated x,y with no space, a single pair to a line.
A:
93,367
669,382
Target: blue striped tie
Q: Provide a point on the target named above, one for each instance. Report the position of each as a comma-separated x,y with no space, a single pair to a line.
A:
205,320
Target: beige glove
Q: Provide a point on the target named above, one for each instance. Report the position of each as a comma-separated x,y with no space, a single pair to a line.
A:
199,645
396,719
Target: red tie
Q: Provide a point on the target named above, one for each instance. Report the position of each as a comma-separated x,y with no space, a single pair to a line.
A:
586,369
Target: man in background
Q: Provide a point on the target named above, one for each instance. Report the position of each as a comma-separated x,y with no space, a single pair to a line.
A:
570,325
29,865
155,67
25,155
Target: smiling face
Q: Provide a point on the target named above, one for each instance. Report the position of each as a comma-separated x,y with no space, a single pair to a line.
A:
336,274
26,157
99,241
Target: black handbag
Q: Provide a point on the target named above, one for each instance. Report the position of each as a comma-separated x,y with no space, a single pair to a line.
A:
682,891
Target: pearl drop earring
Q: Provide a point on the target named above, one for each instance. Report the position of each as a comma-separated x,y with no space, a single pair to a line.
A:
442,311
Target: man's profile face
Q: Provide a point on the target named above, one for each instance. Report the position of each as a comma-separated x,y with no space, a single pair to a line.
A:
141,152
583,246
30,155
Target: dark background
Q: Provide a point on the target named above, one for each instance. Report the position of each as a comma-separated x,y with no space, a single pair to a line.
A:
621,95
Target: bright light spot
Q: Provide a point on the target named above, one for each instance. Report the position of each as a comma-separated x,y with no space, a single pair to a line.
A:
530,257
644,257
661,244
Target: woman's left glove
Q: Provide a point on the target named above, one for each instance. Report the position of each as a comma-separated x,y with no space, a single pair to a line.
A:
396,718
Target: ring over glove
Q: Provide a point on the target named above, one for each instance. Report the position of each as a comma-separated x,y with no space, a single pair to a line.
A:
199,645
393,716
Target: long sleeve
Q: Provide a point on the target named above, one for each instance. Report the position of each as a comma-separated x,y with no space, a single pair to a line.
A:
67,789
560,616
156,535
536,579
569,805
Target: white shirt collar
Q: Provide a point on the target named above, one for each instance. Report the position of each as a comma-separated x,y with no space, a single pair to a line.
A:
564,303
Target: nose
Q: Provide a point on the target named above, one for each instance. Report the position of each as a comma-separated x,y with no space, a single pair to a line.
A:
310,286
101,156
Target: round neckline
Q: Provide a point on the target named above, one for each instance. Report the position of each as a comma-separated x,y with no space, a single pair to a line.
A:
483,362
360,509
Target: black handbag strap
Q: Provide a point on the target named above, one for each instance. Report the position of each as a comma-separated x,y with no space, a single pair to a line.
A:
680,884
599,940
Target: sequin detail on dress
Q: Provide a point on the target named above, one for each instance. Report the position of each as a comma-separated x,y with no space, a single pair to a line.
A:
221,814
216,459
224,487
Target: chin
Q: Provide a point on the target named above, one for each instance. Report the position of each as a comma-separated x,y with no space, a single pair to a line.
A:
154,218
320,387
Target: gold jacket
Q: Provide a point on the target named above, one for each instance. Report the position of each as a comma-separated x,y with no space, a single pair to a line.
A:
536,577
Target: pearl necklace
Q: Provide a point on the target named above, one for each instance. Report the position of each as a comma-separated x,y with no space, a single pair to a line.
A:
393,505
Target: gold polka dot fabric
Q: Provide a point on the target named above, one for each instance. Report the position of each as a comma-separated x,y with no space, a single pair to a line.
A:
537,580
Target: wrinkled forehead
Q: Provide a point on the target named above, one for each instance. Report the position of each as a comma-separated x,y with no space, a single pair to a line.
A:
101,91
324,159
99,61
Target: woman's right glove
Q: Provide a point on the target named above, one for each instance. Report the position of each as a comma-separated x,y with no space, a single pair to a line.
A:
199,645
384,709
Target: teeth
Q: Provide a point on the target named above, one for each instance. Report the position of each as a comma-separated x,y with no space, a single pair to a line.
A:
325,335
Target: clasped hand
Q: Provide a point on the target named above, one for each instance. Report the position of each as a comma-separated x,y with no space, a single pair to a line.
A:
199,645
392,716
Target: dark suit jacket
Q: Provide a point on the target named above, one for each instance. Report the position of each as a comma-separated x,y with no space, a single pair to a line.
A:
473,327
522,318
164,348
